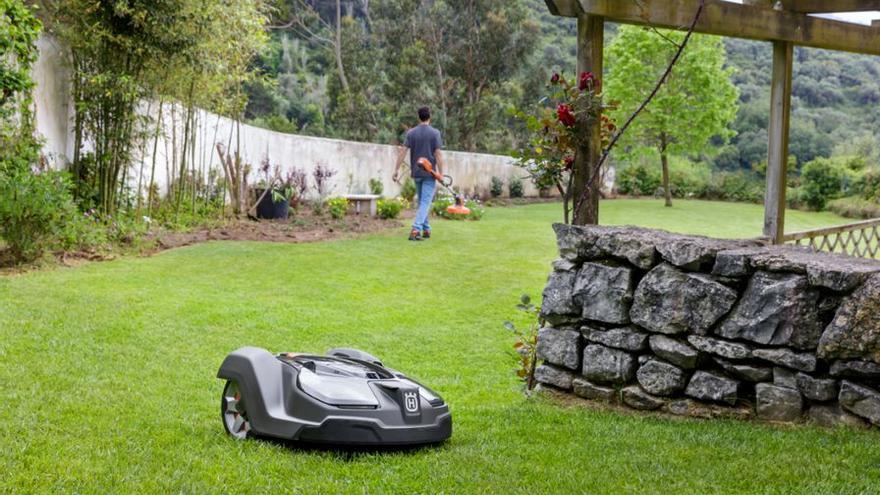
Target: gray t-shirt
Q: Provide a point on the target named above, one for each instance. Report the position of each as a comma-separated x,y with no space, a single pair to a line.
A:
422,141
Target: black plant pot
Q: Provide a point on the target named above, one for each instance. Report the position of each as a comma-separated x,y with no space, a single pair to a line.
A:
271,210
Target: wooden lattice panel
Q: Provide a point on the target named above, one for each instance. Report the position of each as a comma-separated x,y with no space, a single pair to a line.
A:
860,239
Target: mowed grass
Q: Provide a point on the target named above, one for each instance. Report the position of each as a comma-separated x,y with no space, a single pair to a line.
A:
107,372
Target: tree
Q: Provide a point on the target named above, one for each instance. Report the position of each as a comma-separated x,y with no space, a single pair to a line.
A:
698,101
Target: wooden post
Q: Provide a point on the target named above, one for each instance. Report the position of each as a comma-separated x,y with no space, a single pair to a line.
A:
591,30
777,164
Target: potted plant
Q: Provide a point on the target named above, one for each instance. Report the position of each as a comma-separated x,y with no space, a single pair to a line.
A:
274,193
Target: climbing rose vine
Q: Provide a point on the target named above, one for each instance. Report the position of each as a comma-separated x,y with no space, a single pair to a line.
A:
557,127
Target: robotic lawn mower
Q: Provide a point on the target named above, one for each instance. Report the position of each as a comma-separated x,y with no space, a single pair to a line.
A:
344,398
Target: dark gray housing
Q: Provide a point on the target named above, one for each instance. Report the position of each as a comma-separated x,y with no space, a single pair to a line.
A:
346,398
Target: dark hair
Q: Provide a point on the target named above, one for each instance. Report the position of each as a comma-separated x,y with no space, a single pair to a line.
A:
424,114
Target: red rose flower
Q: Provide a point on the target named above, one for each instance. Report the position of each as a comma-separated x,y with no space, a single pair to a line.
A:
563,113
569,162
586,78
555,78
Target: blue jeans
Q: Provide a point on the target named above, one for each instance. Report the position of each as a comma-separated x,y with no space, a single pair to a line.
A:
425,191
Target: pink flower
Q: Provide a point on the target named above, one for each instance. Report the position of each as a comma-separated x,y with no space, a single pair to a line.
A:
555,78
563,113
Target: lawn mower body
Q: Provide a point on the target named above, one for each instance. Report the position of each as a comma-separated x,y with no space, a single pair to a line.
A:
346,397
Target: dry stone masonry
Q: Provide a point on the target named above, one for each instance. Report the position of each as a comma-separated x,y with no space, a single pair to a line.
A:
712,328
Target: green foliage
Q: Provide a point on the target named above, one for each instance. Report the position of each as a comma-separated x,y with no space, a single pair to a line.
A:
734,186
692,111
376,187
408,190
690,180
390,208
497,187
196,52
19,30
855,207
638,179
823,180
526,344
515,187
33,211
557,128
467,60
337,207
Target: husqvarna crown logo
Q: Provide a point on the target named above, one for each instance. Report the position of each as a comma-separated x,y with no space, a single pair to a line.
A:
411,401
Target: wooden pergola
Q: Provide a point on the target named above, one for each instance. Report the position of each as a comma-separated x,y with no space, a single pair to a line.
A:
784,23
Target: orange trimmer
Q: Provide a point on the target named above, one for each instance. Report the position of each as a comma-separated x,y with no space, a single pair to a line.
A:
446,181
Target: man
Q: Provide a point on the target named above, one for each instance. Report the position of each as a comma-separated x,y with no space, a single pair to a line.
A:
422,141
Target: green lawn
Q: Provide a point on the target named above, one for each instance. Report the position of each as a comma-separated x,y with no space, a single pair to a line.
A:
108,386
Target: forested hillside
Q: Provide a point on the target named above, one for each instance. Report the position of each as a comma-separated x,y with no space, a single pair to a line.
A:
472,61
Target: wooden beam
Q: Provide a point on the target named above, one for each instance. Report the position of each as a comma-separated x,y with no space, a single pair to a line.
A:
731,19
590,45
777,163
830,6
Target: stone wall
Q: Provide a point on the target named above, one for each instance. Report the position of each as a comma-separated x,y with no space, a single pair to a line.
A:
705,327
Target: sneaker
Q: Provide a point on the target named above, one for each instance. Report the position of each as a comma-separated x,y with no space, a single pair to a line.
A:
415,235
426,234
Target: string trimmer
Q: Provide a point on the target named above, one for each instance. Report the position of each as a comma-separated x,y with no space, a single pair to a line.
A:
446,181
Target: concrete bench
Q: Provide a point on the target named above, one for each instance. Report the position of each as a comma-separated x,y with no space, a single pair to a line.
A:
363,199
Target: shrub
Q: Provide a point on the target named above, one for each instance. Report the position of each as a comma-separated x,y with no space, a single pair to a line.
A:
33,211
868,185
497,188
408,190
734,186
337,207
855,207
390,208
823,180
515,187
376,187
638,179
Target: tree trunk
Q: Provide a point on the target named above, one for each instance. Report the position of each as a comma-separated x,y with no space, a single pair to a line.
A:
664,161
337,48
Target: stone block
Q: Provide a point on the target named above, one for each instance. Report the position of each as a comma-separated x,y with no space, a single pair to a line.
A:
818,389
854,333
718,347
674,351
560,346
832,416
788,358
605,365
860,400
605,292
776,309
558,303
671,301
713,387
628,338
588,390
554,375
659,378
636,398
745,371
778,403
855,369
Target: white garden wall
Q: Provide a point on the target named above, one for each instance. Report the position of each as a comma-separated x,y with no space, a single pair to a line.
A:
355,163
